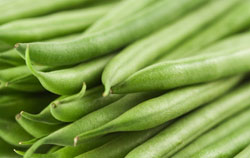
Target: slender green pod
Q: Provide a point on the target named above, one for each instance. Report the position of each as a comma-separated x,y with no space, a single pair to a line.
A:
129,60
27,8
188,71
11,58
234,21
189,127
169,106
7,150
35,128
108,40
121,145
229,146
53,25
122,11
12,133
71,152
65,135
69,80
73,110
11,104
244,153
222,130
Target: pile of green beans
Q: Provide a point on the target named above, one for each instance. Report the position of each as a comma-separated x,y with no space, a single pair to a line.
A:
124,79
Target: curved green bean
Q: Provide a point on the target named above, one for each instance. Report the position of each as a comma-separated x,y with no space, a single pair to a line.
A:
27,8
73,110
51,26
229,146
65,135
192,70
169,106
129,60
244,154
222,130
110,39
69,80
189,127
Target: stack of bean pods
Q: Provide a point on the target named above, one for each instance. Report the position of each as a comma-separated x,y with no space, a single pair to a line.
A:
124,79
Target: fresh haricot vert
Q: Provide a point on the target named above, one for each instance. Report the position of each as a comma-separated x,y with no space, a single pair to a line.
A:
234,21
20,9
244,154
129,60
108,40
120,12
188,71
169,106
69,80
70,151
73,110
191,126
12,133
90,121
11,104
53,25
34,128
228,146
222,130
121,145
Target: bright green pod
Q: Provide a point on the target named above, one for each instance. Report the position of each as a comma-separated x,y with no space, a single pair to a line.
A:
108,40
121,145
170,105
65,135
69,80
75,109
12,133
237,19
191,126
244,154
222,130
188,71
20,9
53,25
228,146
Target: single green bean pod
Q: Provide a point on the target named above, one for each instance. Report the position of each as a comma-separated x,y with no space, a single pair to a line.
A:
191,126
244,154
129,60
108,40
222,130
169,106
188,71
65,135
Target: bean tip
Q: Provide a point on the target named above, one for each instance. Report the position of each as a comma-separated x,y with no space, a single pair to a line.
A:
16,45
18,116
76,140
20,143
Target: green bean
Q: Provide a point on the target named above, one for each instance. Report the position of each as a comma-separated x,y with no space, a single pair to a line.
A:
11,104
169,106
12,133
75,109
7,150
244,154
228,146
236,20
188,71
120,12
51,26
189,127
68,81
222,130
65,135
11,57
34,128
102,42
129,60
121,145
27,8
70,151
